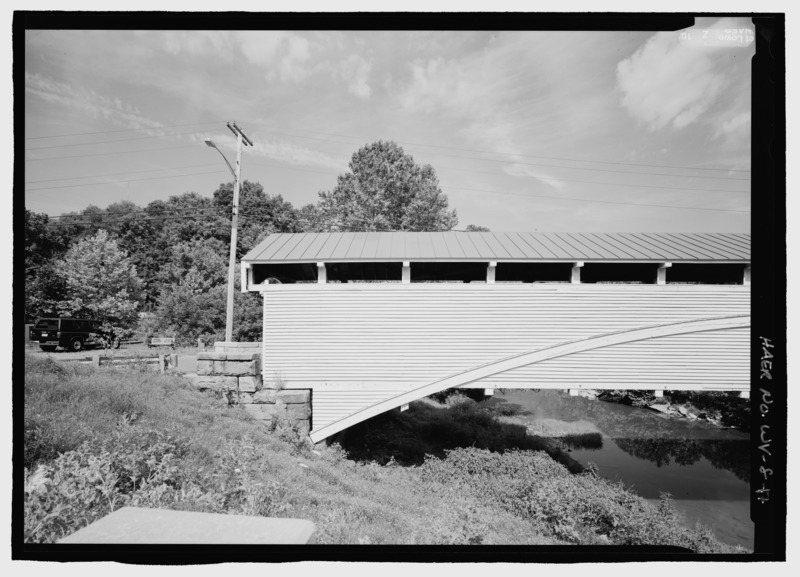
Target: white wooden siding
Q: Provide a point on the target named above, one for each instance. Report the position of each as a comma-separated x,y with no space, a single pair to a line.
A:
707,360
358,344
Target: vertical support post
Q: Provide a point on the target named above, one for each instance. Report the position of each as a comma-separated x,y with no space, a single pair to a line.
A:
746,276
404,407
488,392
661,278
406,272
573,392
96,360
658,394
162,363
744,394
322,273
490,272
234,225
246,274
576,272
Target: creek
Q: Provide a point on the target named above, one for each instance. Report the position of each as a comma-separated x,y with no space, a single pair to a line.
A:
705,468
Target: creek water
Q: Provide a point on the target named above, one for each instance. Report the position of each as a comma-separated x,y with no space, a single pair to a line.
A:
705,468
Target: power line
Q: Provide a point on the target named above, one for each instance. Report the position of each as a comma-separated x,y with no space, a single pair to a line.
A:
112,141
168,211
117,173
591,169
478,151
361,138
123,181
110,153
594,200
606,183
551,165
278,166
122,130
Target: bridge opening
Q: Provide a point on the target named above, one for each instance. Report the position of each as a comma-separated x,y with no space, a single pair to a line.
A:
356,272
704,274
628,273
533,272
463,272
285,273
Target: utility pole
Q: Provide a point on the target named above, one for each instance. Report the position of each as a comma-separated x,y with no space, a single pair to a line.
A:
241,139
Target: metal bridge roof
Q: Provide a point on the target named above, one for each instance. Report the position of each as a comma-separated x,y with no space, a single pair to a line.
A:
499,246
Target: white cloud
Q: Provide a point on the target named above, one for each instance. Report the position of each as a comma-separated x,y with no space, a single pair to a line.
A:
355,72
196,42
517,92
87,102
290,153
738,126
523,170
669,82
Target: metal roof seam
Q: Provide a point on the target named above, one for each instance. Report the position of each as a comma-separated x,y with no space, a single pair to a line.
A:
583,254
466,238
275,247
554,247
528,244
616,247
575,237
488,246
677,246
737,242
645,244
712,246
536,240
508,237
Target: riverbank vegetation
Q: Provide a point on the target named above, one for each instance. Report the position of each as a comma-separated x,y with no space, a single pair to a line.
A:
100,439
723,408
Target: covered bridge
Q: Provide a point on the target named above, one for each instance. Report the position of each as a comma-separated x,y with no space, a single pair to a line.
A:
372,321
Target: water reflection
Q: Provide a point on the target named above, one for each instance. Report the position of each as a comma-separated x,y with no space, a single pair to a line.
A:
729,455
704,467
641,433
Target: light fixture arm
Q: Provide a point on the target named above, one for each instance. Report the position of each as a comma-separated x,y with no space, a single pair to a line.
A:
210,143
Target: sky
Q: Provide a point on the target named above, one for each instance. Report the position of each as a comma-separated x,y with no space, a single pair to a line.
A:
527,130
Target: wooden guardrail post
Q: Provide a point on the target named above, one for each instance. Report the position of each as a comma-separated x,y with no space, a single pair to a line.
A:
96,360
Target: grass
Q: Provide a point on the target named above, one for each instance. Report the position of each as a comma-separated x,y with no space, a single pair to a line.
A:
100,439
572,435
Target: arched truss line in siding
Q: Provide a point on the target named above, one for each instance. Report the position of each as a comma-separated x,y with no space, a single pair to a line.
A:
522,359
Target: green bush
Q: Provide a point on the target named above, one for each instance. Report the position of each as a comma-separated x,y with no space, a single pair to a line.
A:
573,508
100,439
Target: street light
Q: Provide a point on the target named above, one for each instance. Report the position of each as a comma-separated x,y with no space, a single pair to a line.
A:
240,138
210,143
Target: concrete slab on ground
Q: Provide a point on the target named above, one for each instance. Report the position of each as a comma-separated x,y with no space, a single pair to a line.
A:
134,525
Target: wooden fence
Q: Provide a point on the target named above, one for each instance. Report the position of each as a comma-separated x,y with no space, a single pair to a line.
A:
160,362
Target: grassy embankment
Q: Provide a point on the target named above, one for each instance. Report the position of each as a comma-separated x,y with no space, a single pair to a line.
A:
100,439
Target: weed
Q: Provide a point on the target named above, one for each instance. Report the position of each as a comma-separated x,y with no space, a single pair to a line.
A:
278,382
98,440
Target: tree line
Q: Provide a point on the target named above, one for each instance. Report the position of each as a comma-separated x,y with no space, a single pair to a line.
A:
170,258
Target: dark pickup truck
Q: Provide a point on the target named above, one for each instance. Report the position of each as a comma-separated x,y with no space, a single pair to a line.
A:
72,334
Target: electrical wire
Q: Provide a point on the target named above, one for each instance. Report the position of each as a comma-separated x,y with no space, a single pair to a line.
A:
123,130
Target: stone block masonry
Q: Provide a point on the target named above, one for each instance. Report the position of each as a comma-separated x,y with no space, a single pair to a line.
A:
237,376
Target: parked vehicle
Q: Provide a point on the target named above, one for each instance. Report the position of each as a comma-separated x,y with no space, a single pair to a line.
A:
72,334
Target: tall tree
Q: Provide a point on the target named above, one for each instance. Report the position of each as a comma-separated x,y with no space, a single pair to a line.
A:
386,190
259,213
44,287
101,282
